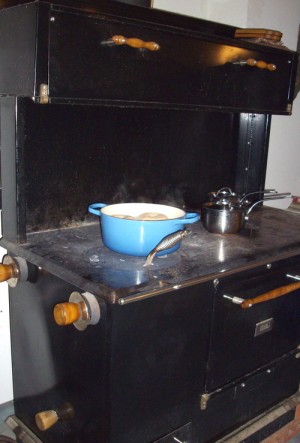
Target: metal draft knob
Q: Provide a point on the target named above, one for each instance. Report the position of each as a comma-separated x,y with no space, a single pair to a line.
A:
81,310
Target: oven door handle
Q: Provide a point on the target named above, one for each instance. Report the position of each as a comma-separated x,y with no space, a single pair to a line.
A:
270,295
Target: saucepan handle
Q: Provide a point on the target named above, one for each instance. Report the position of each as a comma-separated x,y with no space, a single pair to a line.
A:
95,208
270,197
190,217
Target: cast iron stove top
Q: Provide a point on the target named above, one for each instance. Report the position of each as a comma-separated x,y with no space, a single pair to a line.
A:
79,256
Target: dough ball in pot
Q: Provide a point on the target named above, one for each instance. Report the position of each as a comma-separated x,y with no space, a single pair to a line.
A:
128,217
152,216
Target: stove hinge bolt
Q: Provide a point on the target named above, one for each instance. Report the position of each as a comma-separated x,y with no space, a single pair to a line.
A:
43,98
14,270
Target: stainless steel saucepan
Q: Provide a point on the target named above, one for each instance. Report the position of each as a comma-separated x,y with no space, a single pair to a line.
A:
227,213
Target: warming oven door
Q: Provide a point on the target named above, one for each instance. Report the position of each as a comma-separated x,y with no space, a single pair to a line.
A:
173,68
246,338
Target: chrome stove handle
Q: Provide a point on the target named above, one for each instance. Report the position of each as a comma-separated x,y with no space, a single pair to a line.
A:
235,300
294,277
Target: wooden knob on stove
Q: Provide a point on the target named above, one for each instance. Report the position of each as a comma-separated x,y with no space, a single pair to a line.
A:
46,419
66,313
7,272
261,64
135,43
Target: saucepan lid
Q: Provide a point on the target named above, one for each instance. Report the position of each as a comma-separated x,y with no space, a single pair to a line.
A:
225,198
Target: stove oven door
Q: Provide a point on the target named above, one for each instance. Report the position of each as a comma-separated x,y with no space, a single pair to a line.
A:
246,339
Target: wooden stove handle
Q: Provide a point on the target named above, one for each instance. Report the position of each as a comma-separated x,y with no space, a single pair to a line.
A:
278,292
261,64
135,43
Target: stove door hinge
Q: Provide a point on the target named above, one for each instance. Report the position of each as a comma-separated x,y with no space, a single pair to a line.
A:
43,98
203,401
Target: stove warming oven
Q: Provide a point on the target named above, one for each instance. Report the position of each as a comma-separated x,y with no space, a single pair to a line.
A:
106,350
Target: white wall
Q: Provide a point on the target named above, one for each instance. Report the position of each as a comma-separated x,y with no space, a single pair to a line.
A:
6,393
6,389
283,171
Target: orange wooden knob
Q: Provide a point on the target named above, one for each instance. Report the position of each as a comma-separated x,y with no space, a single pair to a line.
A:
261,64
66,313
135,43
7,272
46,419
251,62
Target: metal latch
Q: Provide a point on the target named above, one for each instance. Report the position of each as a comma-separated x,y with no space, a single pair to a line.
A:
203,401
44,94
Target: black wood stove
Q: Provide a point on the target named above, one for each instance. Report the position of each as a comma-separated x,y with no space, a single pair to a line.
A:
166,113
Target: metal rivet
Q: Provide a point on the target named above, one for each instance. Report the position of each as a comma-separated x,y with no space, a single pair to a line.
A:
52,19
269,266
216,282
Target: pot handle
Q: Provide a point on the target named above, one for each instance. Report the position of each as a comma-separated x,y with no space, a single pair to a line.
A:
269,197
190,217
94,208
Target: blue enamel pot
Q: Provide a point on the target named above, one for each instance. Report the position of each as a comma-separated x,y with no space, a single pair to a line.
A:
136,228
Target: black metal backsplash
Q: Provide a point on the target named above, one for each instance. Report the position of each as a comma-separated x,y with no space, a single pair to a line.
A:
87,154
